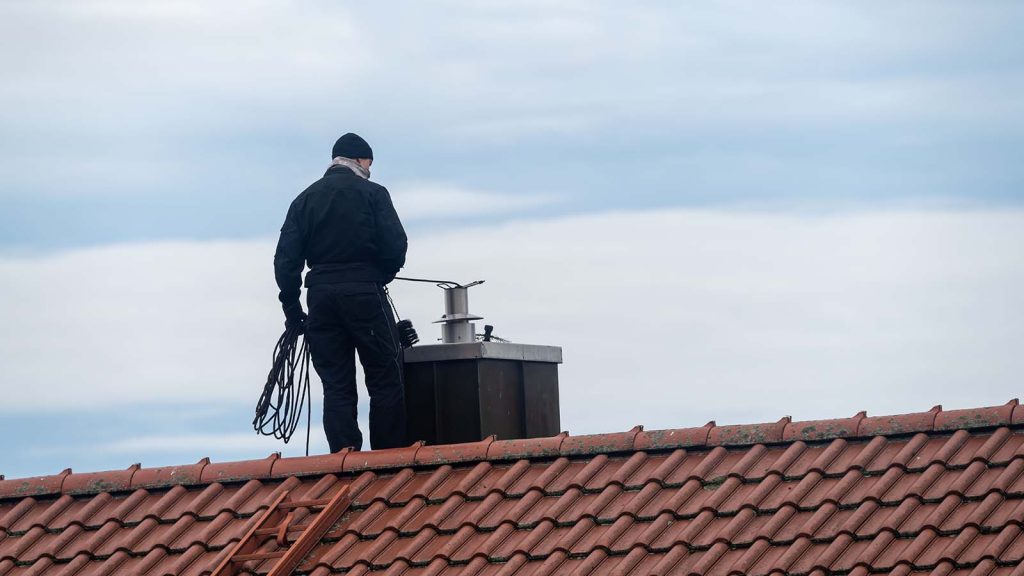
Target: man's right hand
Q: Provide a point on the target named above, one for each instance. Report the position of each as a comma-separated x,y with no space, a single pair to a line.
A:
294,317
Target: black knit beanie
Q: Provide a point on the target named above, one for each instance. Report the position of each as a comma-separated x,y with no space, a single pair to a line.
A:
352,146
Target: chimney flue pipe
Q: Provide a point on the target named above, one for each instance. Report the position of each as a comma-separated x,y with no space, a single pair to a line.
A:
456,325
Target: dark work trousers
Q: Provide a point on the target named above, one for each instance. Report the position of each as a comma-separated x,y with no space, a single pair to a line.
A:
344,319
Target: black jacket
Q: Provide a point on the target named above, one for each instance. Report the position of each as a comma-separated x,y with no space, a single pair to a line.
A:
346,228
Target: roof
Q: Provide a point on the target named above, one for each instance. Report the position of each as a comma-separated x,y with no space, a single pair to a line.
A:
939,492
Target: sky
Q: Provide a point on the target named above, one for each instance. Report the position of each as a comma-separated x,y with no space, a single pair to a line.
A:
728,211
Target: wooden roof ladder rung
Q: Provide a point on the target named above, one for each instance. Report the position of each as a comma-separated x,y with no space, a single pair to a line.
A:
276,523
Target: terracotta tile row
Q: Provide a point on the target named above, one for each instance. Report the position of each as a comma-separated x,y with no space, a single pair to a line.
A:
637,561
705,531
943,493
788,463
74,549
482,495
688,501
195,560
753,468
927,551
900,517
668,563
710,435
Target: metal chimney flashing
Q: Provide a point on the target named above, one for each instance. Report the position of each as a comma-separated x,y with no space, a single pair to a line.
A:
483,350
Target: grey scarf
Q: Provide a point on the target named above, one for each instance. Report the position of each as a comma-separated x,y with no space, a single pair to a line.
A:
352,165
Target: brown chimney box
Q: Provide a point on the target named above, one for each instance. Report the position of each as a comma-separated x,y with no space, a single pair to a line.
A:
467,391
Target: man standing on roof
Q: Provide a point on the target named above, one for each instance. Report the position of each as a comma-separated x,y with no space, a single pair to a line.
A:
346,228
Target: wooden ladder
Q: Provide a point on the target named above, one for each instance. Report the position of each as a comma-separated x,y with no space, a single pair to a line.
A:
276,523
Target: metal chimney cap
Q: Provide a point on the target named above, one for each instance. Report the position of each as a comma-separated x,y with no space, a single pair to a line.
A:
445,318
490,350
456,325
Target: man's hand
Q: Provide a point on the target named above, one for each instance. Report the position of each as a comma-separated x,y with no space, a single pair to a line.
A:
294,317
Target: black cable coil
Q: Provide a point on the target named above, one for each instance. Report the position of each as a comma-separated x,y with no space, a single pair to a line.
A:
280,406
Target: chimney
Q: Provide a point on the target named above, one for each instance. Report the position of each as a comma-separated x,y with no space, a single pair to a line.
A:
471,386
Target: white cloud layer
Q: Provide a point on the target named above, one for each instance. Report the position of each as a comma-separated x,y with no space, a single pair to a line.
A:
189,445
135,79
666,318
426,201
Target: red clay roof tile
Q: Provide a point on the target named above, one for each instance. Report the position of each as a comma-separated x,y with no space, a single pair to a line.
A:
673,438
899,424
823,429
526,448
98,482
454,453
244,470
976,417
39,486
169,475
934,492
378,459
309,465
747,434
599,443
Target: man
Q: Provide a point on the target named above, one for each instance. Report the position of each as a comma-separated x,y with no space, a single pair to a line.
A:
346,228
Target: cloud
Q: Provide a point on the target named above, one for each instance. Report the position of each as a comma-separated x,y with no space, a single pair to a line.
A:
667,318
445,202
132,323
473,60
138,121
190,445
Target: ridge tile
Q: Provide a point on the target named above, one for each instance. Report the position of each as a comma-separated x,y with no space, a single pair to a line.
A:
169,475
599,443
309,465
526,448
673,438
381,459
976,417
454,453
238,471
35,486
96,482
748,434
899,424
811,430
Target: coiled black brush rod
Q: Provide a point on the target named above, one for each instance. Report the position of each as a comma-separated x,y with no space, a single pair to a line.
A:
280,406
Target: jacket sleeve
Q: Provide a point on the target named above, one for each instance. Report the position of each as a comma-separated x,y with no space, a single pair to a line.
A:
289,259
392,242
